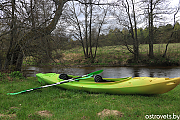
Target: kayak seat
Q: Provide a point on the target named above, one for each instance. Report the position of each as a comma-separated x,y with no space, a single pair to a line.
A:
64,76
98,78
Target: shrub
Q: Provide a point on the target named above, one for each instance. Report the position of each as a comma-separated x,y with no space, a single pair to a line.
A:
16,74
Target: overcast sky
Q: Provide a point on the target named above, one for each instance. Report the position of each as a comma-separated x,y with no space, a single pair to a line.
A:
113,24
170,18
174,2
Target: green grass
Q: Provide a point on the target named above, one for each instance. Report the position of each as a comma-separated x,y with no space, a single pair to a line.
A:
76,105
117,56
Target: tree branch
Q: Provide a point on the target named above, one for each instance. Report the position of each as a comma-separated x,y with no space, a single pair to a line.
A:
111,4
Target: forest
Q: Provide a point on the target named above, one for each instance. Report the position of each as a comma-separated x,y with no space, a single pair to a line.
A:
117,36
42,30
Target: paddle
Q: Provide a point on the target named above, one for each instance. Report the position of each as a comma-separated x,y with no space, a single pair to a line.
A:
65,81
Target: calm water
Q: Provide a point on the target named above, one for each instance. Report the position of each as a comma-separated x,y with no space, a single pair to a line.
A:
110,72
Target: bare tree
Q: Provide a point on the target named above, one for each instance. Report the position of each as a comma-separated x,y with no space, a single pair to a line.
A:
177,10
131,23
154,10
31,28
13,30
84,27
22,34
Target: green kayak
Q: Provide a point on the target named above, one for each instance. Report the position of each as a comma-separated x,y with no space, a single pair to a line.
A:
129,85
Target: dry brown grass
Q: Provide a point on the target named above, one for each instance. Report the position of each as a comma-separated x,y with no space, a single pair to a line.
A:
44,113
107,112
9,116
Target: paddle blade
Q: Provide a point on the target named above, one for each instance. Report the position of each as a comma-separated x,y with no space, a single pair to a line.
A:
96,72
12,93
16,93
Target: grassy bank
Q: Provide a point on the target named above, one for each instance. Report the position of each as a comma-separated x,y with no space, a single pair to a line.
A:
55,103
119,55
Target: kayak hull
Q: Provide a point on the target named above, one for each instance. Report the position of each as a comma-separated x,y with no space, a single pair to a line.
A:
136,85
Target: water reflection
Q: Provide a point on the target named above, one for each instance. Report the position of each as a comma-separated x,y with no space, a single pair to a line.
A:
113,72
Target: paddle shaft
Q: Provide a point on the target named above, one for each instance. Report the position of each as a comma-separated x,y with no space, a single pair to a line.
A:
65,81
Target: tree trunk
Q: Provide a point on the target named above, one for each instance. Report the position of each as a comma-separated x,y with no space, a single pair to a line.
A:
99,30
151,37
164,55
8,56
55,20
80,32
134,36
32,14
0,61
90,31
15,55
19,61
15,47
86,30
136,43
13,31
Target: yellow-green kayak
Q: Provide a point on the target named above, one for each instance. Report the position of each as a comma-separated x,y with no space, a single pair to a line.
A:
129,85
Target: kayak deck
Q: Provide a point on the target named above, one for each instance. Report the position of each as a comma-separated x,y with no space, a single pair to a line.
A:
129,85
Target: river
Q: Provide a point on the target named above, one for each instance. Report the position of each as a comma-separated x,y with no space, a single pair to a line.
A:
109,72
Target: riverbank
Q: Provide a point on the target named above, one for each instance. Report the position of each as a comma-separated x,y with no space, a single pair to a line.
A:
119,56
